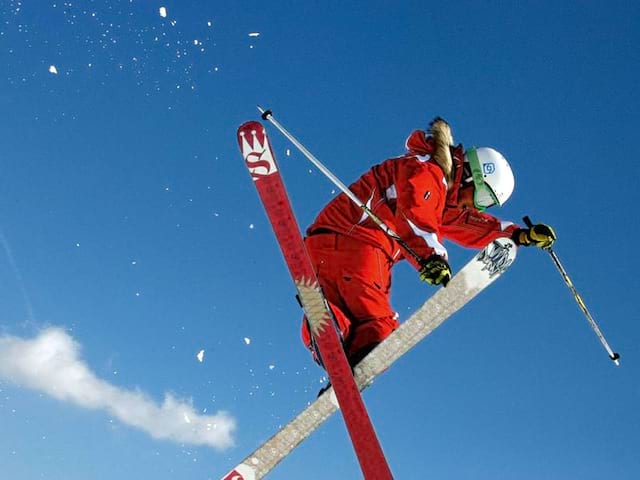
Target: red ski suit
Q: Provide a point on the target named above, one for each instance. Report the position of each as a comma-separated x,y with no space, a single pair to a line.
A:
353,256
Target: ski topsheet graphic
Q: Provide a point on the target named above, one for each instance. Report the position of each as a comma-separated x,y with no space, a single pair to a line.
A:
263,167
475,276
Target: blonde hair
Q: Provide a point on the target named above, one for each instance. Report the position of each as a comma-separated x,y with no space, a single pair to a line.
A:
440,130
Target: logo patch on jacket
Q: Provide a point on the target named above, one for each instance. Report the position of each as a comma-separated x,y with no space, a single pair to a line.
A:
427,194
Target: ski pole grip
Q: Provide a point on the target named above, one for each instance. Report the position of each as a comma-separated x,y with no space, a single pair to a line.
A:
527,221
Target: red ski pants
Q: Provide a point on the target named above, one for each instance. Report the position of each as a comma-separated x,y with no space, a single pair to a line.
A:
356,280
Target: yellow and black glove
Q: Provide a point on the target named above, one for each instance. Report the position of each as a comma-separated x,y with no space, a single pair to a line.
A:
435,270
539,235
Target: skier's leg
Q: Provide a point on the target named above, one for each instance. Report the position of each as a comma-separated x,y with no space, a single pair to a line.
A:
322,250
342,325
355,278
364,283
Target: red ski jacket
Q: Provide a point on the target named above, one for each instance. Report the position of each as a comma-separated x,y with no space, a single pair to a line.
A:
410,194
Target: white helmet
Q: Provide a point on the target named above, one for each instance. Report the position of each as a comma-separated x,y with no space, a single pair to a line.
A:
492,176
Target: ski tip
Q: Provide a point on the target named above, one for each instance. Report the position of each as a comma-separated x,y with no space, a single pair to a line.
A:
247,127
260,109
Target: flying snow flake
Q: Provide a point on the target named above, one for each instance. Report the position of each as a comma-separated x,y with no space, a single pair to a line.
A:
254,34
163,12
251,226
247,340
200,356
53,69
271,367
186,418
209,23
288,152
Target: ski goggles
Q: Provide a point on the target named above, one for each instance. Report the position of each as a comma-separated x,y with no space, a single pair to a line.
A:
483,195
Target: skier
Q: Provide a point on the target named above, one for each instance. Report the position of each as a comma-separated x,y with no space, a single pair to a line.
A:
435,191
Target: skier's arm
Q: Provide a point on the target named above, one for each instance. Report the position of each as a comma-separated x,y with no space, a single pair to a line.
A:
470,228
421,190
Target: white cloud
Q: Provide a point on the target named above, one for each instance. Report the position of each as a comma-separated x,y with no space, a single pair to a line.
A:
51,363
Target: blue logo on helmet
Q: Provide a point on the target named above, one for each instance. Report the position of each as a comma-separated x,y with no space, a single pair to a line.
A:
488,168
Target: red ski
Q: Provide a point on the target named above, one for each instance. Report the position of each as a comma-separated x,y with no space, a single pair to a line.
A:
260,160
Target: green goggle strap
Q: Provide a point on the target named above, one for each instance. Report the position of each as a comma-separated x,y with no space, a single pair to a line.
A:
478,178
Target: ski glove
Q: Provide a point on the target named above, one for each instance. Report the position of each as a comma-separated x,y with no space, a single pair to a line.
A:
435,270
539,235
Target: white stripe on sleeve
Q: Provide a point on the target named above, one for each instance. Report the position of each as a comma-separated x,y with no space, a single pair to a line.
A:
430,238
505,225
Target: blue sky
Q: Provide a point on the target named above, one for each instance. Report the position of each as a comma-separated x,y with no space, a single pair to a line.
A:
132,239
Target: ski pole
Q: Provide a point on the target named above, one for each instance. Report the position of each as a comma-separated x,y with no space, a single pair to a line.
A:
268,115
612,355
